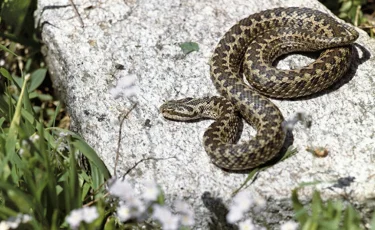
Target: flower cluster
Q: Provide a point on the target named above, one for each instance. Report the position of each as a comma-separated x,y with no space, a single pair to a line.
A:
25,146
62,141
14,222
167,219
131,206
85,214
289,225
242,203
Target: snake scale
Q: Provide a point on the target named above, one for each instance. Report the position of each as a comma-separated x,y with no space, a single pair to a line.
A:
250,48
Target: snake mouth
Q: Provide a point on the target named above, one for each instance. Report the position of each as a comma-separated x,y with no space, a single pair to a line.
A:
178,116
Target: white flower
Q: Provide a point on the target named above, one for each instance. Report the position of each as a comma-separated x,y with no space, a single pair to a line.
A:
137,206
289,225
74,218
34,138
27,77
151,191
24,147
13,222
121,189
124,213
86,214
130,206
187,219
241,203
159,212
25,218
165,217
247,225
21,152
62,146
170,223
4,225
63,134
130,209
25,143
234,215
259,204
89,214
185,212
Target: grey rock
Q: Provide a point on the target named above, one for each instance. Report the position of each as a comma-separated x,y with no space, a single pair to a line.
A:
128,53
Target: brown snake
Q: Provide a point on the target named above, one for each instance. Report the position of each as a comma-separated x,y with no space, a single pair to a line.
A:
250,47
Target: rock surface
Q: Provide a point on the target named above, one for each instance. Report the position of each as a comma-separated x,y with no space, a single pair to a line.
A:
128,54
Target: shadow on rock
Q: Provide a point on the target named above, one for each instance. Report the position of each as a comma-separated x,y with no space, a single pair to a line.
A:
218,213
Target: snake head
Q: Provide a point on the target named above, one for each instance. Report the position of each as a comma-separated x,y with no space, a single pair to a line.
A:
186,109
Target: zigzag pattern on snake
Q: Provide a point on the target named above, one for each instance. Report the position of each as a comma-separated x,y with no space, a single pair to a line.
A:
250,47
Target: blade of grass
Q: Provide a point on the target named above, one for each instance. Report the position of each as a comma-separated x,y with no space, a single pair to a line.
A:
51,185
248,178
5,73
74,187
5,212
2,119
57,111
86,150
7,50
23,202
11,140
316,206
300,213
36,79
373,221
289,152
96,163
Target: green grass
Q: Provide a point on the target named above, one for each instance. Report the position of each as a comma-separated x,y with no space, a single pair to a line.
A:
328,215
39,172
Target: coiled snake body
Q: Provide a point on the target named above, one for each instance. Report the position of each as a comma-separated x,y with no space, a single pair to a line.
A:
255,42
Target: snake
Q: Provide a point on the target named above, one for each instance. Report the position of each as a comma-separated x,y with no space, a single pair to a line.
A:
249,50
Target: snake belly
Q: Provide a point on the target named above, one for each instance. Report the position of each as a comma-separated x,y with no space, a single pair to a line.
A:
250,47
